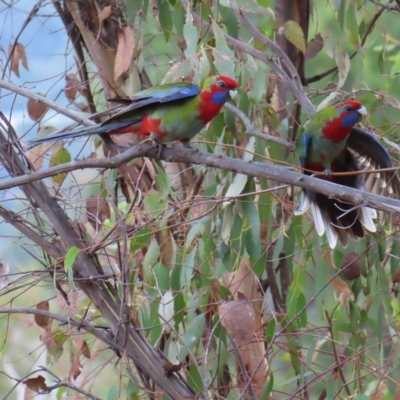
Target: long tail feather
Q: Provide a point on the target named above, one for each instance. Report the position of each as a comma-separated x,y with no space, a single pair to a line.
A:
331,234
86,131
367,218
304,204
319,221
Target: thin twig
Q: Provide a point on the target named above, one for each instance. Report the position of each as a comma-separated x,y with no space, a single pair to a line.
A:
254,132
51,104
370,26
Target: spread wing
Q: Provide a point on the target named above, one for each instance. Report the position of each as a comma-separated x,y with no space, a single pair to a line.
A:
371,155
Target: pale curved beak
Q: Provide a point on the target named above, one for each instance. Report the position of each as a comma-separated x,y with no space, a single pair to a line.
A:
362,111
233,93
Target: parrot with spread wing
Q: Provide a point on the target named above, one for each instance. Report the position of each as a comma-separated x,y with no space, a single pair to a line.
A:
329,143
164,113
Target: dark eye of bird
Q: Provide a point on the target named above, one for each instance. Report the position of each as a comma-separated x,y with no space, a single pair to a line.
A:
348,108
222,84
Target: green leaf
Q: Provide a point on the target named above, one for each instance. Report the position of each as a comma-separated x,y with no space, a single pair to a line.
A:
259,88
165,17
270,330
191,36
155,326
151,257
203,64
194,231
302,312
62,156
154,203
343,63
362,397
163,182
192,337
188,269
295,35
141,239
253,242
195,379
224,59
70,258
268,388
240,180
352,23
162,276
113,393
227,222
177,71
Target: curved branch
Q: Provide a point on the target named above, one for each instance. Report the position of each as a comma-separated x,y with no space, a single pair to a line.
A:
272,46
241,46
370,26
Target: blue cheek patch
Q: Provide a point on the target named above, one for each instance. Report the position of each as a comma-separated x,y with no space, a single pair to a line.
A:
351,119
220,98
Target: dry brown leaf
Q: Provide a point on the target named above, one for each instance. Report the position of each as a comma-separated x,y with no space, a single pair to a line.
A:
239,320
18,56
37,384
76,367
84,107
237,317
124,52
28,393
343,289
105,13
315,46
71,87
181,42
47,338
85,349
42,320
169,367
97,210
351,266
397,394
4,270
36,155
82,347
36,109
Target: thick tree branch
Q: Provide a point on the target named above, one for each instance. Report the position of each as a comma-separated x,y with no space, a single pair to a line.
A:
178,153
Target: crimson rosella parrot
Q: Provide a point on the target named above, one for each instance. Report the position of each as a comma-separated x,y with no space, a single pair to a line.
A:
164,113
329,143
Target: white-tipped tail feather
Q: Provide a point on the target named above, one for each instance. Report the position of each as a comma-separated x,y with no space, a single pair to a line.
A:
334,232
304,204
367,218
319,220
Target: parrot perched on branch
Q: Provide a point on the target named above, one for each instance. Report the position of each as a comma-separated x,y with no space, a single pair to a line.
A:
329,143
163,113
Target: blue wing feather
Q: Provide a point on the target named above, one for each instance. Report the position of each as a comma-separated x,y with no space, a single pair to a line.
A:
305,143
158,94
